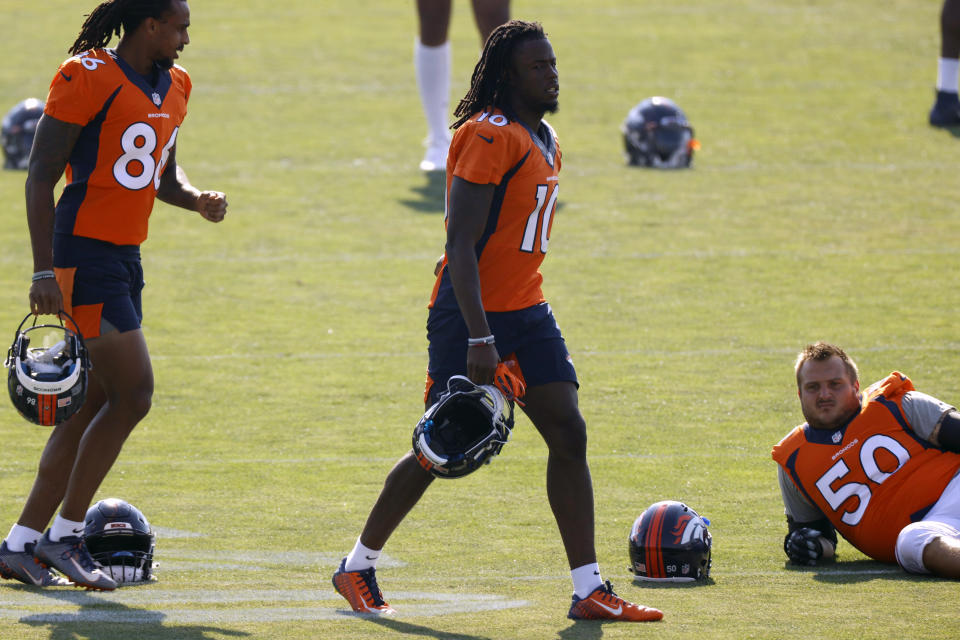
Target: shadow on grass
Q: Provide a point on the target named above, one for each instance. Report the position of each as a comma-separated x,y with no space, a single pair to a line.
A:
421,631
106,620
857,571
430,194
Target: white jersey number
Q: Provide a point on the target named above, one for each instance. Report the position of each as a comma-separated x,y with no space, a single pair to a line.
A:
533,220
868,460
136,168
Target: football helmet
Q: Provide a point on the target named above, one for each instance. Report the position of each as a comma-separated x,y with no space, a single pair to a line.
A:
120,539
670,542
16,133
47,381
657,134
464,429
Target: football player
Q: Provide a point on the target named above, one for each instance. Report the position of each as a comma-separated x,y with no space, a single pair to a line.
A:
111,121
431,60
487,306
879,467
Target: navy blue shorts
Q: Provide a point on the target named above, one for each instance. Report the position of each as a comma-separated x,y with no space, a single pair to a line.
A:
101,284
530,335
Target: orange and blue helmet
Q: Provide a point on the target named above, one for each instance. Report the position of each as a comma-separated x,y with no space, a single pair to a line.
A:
669,542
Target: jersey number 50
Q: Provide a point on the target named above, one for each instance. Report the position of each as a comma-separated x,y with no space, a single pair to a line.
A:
836,498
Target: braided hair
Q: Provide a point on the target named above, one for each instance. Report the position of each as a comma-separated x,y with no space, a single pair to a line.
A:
105,21
488,86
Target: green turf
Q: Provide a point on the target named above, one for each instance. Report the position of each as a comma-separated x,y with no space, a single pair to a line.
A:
289,345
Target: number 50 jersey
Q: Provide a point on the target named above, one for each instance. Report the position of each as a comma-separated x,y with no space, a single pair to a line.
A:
872,477
129,127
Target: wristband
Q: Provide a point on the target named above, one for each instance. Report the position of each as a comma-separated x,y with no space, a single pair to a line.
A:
476,342
43,275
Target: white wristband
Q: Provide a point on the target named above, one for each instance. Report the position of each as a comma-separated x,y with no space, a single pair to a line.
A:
43,275
476,342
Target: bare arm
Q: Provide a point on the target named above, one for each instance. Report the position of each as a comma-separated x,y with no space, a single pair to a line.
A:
175,189
469,207
52,144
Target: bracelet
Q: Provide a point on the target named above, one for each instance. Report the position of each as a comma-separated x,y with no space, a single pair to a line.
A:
43,275
476,342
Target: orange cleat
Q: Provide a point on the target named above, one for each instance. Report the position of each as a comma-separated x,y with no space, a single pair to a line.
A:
604,604
361,590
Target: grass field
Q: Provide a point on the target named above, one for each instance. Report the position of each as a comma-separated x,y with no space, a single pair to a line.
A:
289,345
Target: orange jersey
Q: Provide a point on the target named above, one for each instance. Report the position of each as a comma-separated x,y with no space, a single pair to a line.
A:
872,477
490,149
129,128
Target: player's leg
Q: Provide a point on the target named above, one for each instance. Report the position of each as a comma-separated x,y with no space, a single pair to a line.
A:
553,409
932,545
490,14
57,460
49,486
432,63
123,370
946,109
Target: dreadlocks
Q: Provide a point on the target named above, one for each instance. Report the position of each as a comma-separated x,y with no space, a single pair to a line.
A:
109,16
488,86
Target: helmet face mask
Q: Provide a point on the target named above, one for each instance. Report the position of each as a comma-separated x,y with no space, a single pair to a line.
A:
121,540
669,542
657,134
463,430
47,372
17,131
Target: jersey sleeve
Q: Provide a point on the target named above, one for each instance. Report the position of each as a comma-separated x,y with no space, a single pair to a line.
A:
71,97
923,412
483,154
795,505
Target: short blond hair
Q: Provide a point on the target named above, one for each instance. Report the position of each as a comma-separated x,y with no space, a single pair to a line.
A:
824,351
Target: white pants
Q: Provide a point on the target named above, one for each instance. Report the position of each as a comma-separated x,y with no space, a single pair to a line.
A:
943,520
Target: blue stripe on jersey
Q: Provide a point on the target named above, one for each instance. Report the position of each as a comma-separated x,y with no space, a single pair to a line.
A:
493,217
83,160
446,299
892,407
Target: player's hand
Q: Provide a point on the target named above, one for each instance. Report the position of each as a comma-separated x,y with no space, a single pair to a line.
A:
803,546
212,205
482,363
45,297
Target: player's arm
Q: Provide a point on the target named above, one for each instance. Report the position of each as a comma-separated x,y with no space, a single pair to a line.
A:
468,208
810,535
175,189
946,433
52,143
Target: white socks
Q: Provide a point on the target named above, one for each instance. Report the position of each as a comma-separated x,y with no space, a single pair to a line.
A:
63,528
20,536
433,79
361,558
947,70
586,579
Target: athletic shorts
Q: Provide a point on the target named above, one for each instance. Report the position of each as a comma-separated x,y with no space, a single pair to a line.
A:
943,520
101,284
530,336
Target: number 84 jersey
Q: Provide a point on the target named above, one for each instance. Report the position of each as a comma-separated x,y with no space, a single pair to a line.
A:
872,477
129,127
